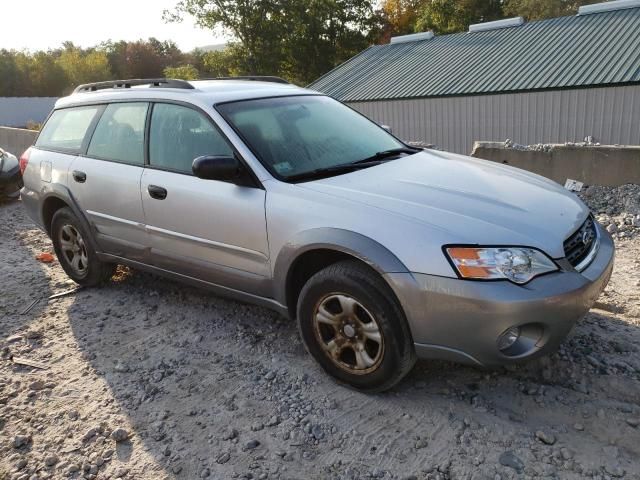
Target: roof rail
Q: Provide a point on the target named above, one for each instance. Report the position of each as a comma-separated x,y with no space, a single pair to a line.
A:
257,78
153,82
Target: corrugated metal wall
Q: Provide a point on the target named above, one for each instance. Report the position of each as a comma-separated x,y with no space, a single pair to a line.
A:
611,115
18,111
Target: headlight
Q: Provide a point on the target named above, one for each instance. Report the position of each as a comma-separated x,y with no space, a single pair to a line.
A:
518,264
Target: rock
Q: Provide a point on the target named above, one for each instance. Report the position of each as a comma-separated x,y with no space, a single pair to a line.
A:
251,444
270,375
21,440
579,427
544,437
273,421
224,458
612,228
51,460
511,460
230,434
420,443
37,385
205,473
633,422
120,435
317,432
614,470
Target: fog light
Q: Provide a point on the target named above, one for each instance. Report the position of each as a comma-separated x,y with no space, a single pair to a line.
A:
508,338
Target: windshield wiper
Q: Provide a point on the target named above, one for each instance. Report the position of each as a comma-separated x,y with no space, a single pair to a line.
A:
373,160
388,153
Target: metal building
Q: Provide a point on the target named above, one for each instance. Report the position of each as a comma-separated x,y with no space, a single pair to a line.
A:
549,81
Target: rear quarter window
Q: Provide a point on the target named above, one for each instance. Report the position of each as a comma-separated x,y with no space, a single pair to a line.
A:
66,129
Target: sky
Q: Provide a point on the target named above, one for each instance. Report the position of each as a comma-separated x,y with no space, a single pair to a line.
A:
45,24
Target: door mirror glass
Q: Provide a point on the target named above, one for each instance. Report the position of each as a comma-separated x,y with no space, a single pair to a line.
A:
225,168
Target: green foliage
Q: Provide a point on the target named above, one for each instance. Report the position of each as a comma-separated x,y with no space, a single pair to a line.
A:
540,9
448,16
296,39
84,66
183,72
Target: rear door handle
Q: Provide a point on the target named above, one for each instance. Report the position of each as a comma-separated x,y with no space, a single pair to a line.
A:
79,176
157,192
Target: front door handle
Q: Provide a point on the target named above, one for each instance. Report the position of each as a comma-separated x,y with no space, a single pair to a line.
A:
157,192
79,176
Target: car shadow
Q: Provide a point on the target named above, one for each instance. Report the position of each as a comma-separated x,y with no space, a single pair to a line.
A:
188,369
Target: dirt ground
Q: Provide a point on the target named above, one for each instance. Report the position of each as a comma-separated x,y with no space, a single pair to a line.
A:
195,386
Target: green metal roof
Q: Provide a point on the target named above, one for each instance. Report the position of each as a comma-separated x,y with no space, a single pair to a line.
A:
566,52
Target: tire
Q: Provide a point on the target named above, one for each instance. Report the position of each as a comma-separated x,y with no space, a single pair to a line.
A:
335,312
69,242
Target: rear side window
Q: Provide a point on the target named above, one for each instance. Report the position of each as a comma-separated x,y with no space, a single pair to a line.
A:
66,128
119,135
178,135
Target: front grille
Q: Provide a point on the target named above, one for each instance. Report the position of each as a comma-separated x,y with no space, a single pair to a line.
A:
580,243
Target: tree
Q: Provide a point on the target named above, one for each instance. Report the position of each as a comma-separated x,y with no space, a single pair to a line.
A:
401,16
84,66
183,72
298,39
541,9
449,16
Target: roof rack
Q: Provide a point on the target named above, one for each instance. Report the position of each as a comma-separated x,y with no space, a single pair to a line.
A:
257,78
153,82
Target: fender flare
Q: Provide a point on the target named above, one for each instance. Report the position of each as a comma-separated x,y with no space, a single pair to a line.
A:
355,244
60,192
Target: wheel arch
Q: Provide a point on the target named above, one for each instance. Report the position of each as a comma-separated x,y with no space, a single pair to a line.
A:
313,250
57,197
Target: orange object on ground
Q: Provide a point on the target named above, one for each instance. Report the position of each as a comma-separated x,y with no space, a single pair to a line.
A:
45,257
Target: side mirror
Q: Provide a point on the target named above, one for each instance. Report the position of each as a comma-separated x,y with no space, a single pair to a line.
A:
386,127
217,167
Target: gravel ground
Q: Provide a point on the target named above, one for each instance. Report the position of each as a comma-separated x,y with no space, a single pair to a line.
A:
145,378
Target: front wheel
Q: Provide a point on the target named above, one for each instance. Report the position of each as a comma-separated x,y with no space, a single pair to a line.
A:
74,253
351,324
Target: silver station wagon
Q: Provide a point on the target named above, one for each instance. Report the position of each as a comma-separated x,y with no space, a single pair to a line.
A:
284,197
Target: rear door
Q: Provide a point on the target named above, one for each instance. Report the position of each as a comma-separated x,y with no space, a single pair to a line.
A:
106,180
206,229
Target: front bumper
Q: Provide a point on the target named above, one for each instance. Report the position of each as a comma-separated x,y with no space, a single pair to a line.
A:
461,320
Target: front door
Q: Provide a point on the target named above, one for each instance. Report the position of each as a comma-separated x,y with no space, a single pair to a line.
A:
206,229
106,181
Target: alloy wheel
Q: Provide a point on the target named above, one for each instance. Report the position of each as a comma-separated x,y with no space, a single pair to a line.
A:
74,249
348,333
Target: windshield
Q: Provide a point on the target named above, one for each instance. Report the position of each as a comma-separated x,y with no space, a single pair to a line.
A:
293,136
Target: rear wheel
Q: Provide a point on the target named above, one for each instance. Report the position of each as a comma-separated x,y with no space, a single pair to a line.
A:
74,253
351,324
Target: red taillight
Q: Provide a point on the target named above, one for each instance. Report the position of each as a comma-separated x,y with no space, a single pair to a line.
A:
24,159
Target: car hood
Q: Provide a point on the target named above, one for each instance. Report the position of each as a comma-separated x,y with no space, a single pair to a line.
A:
467,200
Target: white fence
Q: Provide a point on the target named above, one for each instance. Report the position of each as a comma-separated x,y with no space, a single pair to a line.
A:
18,111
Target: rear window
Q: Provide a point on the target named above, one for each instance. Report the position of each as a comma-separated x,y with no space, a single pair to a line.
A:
65,130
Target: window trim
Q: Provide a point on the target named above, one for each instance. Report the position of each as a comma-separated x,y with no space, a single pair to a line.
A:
87,134
85,152
255,182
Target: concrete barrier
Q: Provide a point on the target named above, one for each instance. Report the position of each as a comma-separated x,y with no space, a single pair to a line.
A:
16,140
593,165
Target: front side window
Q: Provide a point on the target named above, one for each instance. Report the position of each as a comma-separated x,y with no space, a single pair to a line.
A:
296,135
178,135
119,135
66,128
